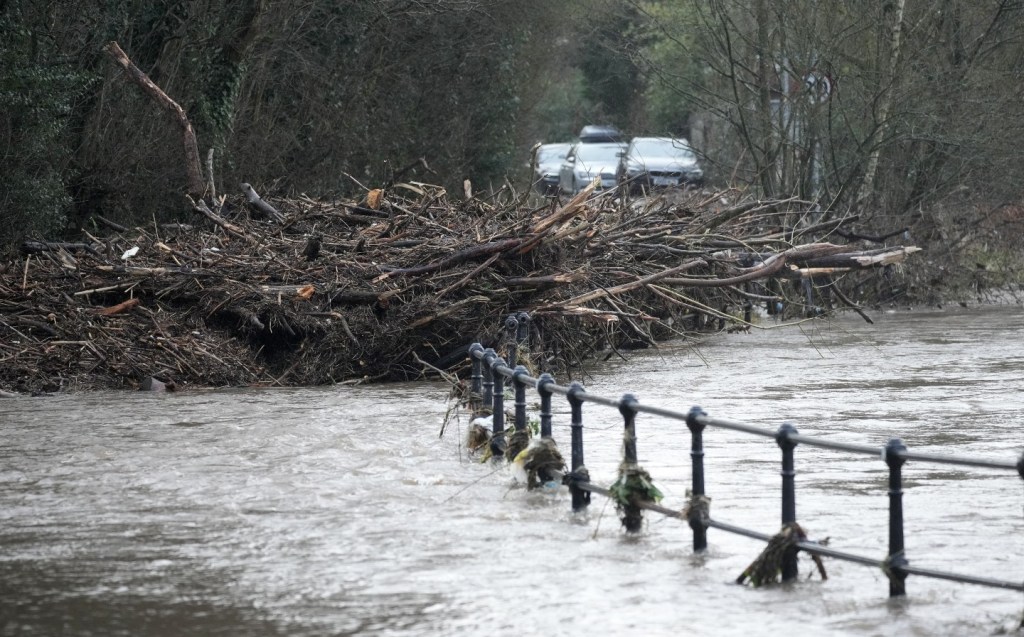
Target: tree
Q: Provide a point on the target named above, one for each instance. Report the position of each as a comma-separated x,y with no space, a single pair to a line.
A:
38,91
914,88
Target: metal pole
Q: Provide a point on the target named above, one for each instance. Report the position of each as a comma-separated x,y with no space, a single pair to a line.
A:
520,387
627,407
897,560
512,328
498,442
476,350
580,498
697,523
632,515
488,394
789,559
545,403
523,335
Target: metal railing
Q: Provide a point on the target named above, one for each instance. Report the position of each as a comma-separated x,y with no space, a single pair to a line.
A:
489,372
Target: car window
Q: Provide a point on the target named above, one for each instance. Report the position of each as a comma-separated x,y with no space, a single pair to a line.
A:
551,153
663,148
598,152
546,155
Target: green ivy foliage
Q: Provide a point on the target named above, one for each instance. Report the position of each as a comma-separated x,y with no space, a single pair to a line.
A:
38,93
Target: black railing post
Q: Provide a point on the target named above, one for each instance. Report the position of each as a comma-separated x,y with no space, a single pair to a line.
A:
523,335
512,329
476,377
789,559
488,384
580,498
697,520
498,441
897,559
545,403
627,407
520,390
632,515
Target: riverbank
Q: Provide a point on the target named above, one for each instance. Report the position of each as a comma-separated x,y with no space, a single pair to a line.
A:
312,292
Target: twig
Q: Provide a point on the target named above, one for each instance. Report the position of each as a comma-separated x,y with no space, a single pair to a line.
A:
851,304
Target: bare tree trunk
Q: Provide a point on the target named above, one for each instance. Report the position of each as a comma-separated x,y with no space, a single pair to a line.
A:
193,172
885,104
764,72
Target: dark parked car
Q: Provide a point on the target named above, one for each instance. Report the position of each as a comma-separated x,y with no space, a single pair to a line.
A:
652,162
600,135
547,160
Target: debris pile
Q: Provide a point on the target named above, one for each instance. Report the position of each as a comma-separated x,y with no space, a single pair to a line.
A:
310,292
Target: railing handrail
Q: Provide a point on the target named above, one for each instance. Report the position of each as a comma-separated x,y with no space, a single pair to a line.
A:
490,370
811,441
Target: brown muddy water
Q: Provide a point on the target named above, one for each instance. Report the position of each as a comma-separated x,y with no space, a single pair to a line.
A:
339,511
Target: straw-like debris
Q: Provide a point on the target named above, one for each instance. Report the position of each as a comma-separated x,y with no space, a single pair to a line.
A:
518,441
541,462
345,291
478,435
767,567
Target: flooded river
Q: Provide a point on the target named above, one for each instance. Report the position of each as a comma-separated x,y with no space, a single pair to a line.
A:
340,511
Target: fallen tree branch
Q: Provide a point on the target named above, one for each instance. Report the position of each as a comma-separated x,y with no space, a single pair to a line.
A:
201,207
474,252
261,207
771,266
193,172
544,281
873,238
626,287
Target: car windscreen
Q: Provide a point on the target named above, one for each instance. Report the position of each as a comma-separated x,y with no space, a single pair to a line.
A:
662,148
597,153
552,154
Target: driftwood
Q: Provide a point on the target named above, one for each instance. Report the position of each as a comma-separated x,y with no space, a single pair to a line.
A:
473,252
544,281
201,207
116,227
258,206
406,276
124,306
37,247
152,384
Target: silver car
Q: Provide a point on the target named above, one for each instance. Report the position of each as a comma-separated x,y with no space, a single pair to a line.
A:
547,160
586,162
652,162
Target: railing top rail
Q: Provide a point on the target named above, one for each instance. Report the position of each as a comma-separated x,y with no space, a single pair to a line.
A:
961,460
963,579
813,441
